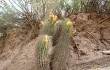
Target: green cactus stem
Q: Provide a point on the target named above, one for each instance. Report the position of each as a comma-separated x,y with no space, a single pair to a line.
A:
43,52
57,31
62,49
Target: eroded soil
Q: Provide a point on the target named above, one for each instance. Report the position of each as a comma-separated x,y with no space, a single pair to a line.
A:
91,39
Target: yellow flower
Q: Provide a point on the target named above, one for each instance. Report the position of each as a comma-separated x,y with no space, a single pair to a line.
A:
51,15
69,23
45,38
54,19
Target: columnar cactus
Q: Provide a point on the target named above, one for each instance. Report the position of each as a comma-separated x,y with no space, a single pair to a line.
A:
47,28
60,32
62,47
49,25
57,31
43,52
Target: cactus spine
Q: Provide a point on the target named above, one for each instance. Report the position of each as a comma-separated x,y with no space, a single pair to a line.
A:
62,48
43,50
47,28
57,31
49,25
44,44
61,33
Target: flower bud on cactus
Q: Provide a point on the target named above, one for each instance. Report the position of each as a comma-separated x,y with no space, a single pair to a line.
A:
51,16
43,52
49,25
47,28
54,20
69,24
45,41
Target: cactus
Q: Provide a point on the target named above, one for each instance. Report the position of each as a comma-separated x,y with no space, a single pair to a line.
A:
62,48
47,28
58,28
43,52
61,32
49,25
57,31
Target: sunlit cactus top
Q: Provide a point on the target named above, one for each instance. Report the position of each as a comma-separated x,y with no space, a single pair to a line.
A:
45,38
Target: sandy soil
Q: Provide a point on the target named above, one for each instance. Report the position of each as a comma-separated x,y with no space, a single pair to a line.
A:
98,64
91,39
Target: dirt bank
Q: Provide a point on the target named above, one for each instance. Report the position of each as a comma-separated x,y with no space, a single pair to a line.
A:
91,39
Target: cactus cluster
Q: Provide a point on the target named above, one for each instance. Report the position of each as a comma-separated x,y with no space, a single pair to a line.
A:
54,34
61,49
